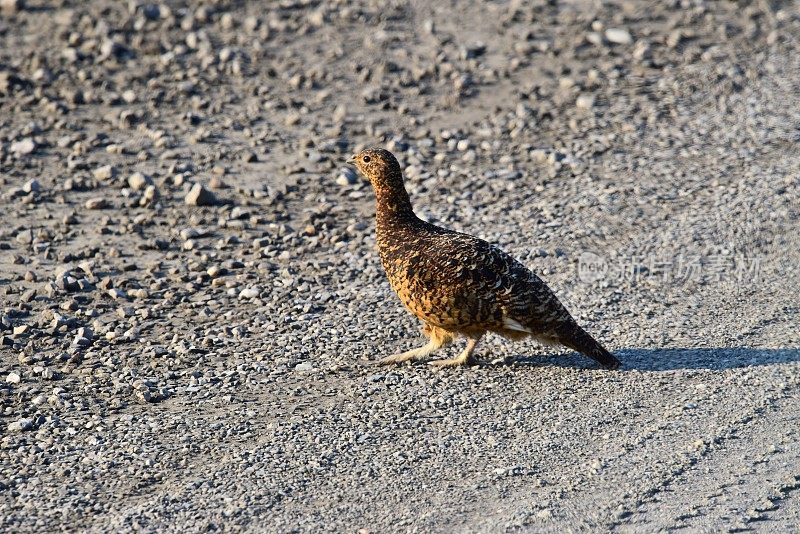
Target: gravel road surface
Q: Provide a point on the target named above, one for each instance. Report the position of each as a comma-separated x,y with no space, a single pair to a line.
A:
190,294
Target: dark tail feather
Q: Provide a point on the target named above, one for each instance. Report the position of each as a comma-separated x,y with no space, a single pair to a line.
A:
577,339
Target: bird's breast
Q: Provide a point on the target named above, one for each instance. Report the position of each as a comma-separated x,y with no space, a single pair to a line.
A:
434,291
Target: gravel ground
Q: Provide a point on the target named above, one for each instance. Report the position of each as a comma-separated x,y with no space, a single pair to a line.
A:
190,291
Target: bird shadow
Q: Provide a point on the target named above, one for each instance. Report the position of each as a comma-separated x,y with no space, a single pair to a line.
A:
671,359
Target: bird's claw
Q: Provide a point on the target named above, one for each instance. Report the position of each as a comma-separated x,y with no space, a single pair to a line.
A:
453,362
441,364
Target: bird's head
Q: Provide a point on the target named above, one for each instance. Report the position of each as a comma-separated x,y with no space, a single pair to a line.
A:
379,166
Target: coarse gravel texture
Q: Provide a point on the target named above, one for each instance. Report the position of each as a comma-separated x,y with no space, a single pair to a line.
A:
190,293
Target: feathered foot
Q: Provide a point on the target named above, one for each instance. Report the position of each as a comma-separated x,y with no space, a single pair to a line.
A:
438,339
465,358
414,354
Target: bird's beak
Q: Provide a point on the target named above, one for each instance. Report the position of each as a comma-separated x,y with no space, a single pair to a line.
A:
351,160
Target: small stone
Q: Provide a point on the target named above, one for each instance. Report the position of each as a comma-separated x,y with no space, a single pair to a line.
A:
303,367
144,395
80,341
200,196
340,113
538,155
189,233
618,36
226,21
116,294
21,425
32,186
149,195
129,96
96,203
153,11
240,212
25,237
24,147
251,23
249,293
11,6
773,37
105,172
85,332
346,177
585,102
106,283
21,330
216,183
595,38
642,50
138,181
110,48
674,38
13,378
473,51
293,119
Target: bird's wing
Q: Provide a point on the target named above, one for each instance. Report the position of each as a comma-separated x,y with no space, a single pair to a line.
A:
533,304
484,276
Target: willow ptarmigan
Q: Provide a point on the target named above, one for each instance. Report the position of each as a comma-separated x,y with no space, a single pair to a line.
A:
457,284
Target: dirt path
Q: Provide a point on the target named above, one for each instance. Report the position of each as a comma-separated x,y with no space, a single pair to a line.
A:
190,293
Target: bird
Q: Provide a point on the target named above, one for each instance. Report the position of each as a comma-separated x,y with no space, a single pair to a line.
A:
459,285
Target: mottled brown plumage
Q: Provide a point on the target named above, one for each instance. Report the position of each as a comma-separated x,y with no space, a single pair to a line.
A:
457,284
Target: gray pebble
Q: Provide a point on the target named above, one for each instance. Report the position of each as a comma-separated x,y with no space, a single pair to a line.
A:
21,425
347,176
106,172
32,186
304,367
249,293
24,147
96,203
200,196
618,36
138,181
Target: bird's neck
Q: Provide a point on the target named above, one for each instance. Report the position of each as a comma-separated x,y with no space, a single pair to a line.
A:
393,205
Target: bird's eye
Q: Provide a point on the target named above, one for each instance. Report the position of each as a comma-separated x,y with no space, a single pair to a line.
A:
366,159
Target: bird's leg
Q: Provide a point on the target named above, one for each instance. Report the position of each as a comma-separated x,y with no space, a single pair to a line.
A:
438,339
413,354
465,358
